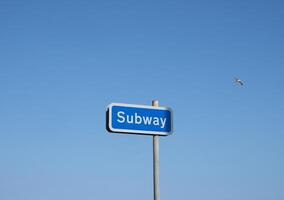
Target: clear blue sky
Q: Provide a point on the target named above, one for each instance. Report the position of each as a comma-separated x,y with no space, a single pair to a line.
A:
63,62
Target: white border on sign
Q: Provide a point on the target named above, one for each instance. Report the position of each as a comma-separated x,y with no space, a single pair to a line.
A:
109,109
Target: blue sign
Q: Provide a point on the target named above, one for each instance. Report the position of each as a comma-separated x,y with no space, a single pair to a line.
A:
138,119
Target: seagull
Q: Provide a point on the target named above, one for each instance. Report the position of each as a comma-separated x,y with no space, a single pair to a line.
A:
239,81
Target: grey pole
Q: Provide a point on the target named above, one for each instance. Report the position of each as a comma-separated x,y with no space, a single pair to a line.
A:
156,161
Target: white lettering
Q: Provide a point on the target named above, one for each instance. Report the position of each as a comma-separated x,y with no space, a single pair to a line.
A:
147,120
163,122
129,119
120,115
156,121
138,119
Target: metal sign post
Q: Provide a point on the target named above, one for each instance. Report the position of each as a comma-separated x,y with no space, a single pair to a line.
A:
156,161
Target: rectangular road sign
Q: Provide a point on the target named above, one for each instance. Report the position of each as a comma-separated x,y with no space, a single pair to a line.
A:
139,119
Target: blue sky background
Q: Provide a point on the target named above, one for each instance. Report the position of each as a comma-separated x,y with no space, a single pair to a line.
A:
63,62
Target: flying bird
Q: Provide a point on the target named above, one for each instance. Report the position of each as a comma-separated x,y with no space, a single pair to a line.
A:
239,81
